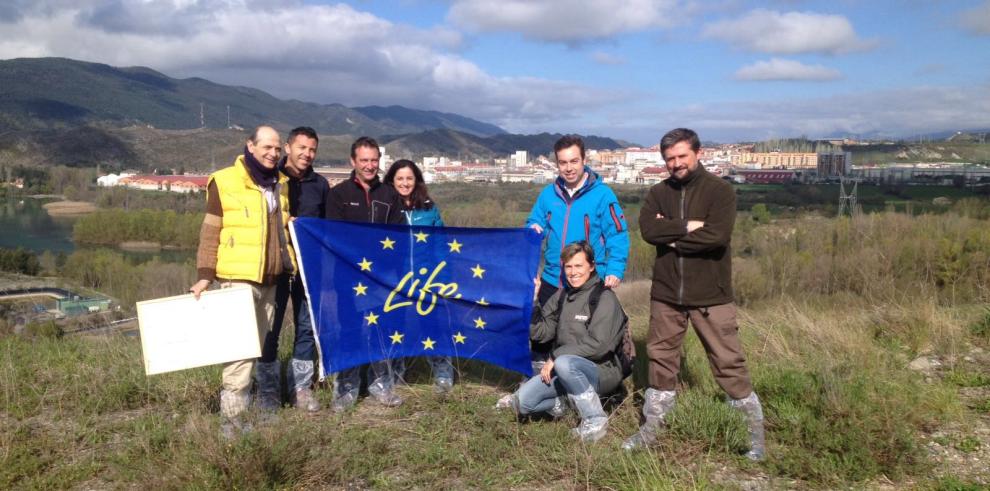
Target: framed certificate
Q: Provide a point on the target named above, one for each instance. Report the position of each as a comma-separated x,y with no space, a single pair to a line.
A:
181,332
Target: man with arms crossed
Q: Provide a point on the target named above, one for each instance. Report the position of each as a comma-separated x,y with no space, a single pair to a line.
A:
308,193
689,218
577,206
244,240
363,198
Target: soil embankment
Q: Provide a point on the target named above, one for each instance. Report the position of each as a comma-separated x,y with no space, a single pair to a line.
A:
140,246
69,208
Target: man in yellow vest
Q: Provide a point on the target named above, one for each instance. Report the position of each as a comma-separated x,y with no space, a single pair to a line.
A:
244,239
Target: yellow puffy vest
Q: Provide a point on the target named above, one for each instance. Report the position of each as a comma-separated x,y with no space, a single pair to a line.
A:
243,238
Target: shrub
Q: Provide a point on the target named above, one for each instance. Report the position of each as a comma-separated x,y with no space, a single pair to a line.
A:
47,329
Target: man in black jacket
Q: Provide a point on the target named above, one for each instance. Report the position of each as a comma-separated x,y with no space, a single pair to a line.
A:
363,198
308,194
689,218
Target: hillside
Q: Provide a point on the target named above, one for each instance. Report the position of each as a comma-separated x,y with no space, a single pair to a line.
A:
57,111
454,143
57,92
143,148
957,150
140,148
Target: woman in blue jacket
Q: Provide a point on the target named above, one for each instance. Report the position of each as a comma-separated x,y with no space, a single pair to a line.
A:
420,210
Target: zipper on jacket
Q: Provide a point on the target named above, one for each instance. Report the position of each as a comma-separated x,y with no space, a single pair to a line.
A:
587,229
563,241
264,233
680,258
615,218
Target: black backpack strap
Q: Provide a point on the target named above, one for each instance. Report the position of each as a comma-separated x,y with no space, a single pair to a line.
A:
593,298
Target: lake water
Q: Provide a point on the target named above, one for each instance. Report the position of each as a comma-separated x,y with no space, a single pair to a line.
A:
24,223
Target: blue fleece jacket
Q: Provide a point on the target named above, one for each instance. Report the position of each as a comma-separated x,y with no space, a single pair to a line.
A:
429,217
592,214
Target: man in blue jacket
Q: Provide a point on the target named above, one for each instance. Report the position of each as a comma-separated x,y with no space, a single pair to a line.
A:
578,206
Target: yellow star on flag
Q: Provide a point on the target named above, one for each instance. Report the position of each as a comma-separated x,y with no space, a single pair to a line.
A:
428,343
479,323
459,338
396,337
360,290
454,246
482,301
365,264
421,237
371,318
478,271
387,244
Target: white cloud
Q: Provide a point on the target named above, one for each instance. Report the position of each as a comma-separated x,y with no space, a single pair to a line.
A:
781,69
768,31
895,112
565,21
308,52
603,58
977,19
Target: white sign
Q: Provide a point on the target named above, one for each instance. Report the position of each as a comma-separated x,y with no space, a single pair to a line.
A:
181,332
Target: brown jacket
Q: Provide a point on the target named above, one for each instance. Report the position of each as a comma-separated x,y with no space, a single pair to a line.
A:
691,269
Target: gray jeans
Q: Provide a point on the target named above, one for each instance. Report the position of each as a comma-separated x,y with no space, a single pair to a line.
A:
572,375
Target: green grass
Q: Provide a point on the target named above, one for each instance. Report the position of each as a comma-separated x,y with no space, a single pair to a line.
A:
833,311
952,483
79,412
964,378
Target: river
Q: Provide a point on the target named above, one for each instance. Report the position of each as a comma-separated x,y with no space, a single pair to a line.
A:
24,223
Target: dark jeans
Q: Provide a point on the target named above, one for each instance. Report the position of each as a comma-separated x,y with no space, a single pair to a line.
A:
305,347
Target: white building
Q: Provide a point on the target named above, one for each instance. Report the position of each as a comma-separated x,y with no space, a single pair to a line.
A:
385,160
641,158
520,176
519,159
625,174
111,180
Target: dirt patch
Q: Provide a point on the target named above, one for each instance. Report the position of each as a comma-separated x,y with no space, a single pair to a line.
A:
962,449
69,208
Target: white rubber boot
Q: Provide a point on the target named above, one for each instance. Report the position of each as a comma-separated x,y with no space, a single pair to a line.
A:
658,404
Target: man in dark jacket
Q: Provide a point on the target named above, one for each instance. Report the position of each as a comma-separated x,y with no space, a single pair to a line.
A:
363,198
308,193
689,218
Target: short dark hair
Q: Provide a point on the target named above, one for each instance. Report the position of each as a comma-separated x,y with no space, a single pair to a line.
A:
568,141
420,198
304,131
574,248
675,136
364,141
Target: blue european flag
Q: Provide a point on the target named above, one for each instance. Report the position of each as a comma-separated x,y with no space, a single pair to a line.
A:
389,291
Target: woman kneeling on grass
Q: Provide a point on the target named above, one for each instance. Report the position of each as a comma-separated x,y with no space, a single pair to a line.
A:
583,364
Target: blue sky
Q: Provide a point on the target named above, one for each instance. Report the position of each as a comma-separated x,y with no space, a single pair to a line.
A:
632,69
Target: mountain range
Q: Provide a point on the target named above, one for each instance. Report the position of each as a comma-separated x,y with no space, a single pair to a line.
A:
84,103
